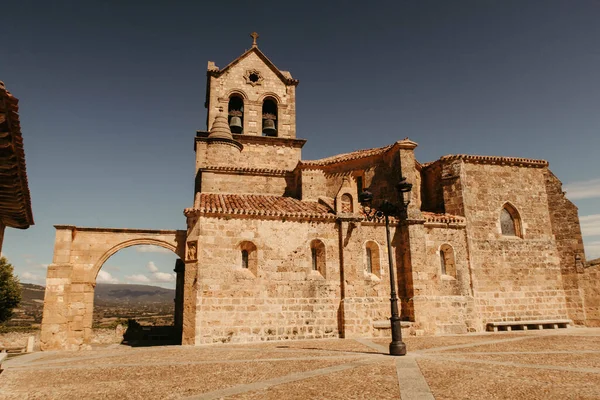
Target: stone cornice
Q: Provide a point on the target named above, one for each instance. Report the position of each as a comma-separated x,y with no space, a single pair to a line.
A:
120,230
496,160
247,171
254,139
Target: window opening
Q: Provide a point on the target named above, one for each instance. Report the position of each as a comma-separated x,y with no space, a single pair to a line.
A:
369,261
244,258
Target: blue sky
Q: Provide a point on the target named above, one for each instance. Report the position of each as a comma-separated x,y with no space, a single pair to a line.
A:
112,92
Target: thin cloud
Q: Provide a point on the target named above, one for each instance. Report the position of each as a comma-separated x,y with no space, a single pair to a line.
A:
148,248
583,190
163,277
590,225
592,250
137,278
152,267
28,276
106,277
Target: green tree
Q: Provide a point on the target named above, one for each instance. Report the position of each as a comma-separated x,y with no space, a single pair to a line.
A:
10,290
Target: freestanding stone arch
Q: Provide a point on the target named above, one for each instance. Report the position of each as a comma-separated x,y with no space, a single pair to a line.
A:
79,254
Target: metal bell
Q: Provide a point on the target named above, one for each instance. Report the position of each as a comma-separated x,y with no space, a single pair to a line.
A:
235,124
269,127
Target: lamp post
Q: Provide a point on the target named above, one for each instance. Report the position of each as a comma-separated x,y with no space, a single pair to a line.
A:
385,210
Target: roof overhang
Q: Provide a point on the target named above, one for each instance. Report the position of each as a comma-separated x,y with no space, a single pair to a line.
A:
15,200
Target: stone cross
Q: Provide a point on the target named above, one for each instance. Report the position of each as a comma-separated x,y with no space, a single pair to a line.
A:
254,36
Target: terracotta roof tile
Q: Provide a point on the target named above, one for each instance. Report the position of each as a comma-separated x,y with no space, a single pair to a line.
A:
15,199
250,204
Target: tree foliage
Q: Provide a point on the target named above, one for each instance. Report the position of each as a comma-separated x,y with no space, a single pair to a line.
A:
10,290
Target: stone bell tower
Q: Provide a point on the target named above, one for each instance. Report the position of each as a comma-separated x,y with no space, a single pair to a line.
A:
259,99
250,144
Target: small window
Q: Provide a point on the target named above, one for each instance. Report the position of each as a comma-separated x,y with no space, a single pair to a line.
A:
372,263
244,258
347,206
249,257
447,261
510,223
317,251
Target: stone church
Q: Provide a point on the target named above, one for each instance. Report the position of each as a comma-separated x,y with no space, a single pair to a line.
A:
283,249
278,247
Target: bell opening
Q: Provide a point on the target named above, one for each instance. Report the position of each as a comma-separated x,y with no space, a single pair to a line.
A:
269,117
236,114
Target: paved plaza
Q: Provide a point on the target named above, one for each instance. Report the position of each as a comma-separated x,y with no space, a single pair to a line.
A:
548,364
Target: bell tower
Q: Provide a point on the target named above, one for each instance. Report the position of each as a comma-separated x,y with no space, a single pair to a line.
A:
259,98
250,144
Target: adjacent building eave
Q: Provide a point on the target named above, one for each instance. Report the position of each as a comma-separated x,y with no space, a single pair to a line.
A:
15,199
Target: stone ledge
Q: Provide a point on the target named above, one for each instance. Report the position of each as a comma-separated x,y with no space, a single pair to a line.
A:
528,324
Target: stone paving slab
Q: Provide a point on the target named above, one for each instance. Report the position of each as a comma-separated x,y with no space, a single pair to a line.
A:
489,366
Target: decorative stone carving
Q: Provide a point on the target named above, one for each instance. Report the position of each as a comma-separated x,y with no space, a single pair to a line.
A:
191,253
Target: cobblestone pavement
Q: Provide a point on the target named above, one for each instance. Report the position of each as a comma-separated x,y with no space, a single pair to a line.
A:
549,364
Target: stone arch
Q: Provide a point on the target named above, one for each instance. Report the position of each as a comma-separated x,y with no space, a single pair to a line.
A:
133,242
238,92
266,95
510,221
79,254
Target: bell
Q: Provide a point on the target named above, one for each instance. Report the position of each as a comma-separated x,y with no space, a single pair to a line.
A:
235,124
269,127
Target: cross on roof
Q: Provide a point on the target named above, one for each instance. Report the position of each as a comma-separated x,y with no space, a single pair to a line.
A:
254,36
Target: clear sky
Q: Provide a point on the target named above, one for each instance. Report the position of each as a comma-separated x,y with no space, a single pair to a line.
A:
112,92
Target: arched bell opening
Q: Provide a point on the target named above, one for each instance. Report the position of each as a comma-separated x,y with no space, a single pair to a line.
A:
269,117
236,114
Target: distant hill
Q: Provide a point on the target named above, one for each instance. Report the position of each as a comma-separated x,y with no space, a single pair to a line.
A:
119,294
111,300
107,294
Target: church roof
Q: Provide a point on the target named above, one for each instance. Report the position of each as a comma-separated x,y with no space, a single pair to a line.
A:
494,160
252,204
15,200
358,154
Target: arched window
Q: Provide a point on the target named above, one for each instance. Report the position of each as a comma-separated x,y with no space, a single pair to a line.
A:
372,264
236,114
249,257
347,206
244,258
510,223
317,252
269,117
447,261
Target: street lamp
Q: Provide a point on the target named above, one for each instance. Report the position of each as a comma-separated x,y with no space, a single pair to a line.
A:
385,210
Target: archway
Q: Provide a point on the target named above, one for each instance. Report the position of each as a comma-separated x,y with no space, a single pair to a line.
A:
79,254
135,298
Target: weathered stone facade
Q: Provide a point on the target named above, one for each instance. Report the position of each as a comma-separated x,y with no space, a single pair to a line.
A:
278,247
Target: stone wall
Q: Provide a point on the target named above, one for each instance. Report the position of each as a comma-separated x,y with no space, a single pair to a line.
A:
244,183
514,278
284,299
569,243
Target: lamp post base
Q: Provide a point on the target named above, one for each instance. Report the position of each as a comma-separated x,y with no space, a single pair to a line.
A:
397,349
